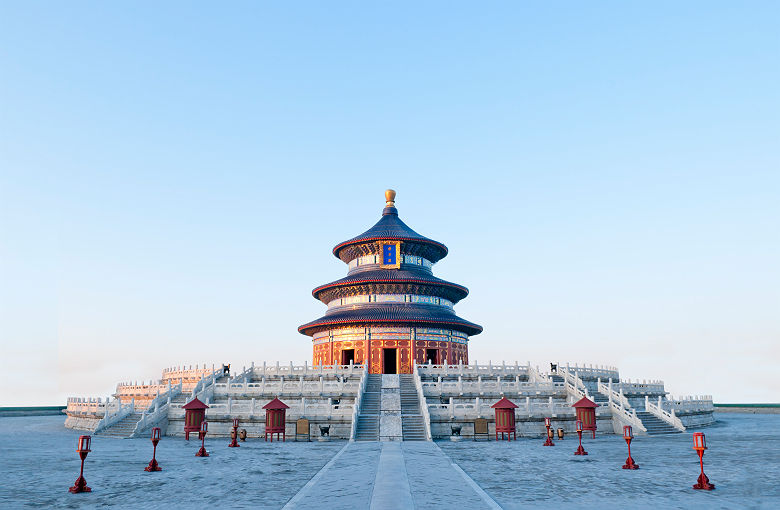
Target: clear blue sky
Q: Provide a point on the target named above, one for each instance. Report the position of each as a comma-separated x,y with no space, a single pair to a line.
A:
173,177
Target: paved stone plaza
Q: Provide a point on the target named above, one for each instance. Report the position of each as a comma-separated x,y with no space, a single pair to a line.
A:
39,464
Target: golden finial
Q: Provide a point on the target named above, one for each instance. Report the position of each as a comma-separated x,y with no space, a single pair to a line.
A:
390,198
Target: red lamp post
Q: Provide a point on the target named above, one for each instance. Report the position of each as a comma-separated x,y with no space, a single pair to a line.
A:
549,441
204,428
580,450
153,463
234,435
83,448
699,444
628,435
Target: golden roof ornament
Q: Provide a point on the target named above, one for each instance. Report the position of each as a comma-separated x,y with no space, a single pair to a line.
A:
390,198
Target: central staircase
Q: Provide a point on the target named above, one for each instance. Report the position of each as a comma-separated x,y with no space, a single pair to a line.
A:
368,420
412,425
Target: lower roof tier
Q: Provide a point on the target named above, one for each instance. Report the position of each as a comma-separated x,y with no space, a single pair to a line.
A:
392,314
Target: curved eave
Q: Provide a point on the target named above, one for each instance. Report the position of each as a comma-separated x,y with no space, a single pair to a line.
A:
407,315
440,248
460,290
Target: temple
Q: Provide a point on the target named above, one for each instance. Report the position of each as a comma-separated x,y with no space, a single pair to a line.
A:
390,363
390,310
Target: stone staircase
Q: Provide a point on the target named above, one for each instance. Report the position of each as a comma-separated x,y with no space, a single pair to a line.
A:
655,425
412,425
368,420
123,428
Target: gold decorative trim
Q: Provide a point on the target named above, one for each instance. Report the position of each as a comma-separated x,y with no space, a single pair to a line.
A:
398,255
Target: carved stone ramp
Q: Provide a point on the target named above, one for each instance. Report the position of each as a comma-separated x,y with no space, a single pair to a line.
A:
391,475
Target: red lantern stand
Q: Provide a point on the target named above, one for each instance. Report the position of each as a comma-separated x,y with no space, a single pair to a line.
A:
549,441
194,414
580,450
204,428
628,435
274,419
700,444
505,418
586,413
234,435
83,448
153,463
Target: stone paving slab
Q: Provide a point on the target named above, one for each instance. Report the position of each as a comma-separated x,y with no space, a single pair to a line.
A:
742,460
391,485
438,483
346,483
392,476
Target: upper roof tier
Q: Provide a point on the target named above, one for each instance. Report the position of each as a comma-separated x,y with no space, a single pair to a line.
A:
390,228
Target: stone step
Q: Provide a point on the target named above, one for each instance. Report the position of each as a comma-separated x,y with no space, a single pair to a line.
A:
655,425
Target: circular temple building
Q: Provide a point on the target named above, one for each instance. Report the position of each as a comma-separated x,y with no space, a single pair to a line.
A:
390,309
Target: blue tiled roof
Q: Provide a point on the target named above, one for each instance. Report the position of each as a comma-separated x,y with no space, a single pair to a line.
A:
455,292
380,313
391,227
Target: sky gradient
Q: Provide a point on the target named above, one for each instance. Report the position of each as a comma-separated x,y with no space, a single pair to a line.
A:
173,178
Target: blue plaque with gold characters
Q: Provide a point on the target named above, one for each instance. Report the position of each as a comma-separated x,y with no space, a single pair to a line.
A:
391,255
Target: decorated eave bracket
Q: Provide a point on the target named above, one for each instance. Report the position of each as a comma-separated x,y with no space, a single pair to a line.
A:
391,254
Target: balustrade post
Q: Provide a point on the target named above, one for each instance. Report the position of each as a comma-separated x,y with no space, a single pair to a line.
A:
550,403
452,408
479,384
230,405
528,405
252,407
479,409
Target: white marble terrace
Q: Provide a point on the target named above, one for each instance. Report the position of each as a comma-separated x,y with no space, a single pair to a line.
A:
450,396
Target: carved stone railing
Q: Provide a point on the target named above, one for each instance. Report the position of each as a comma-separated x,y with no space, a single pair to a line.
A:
622,412
115,414
689,404
472,369
574,385
669,417
87,406
157,411
279,370
423,403
298,408
510,388
480,408
535,375
301,387
358,402
590,371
